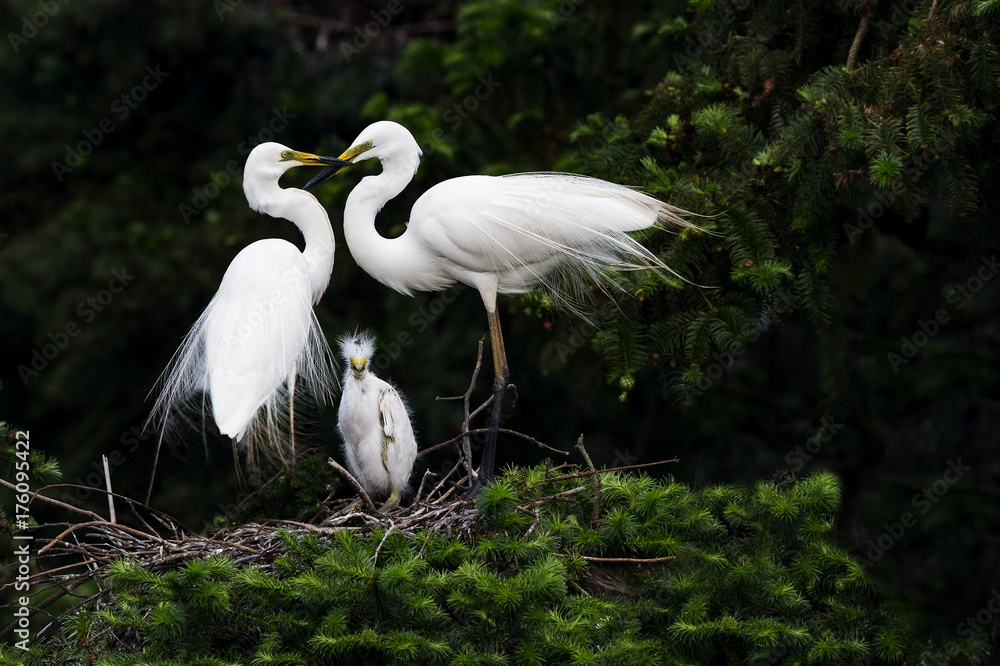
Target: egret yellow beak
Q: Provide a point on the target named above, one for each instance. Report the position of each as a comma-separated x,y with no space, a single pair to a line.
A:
346,159
309,159
353,152
358,366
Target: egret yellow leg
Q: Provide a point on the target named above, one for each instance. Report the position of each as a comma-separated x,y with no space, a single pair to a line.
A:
496,341
502,375
392,502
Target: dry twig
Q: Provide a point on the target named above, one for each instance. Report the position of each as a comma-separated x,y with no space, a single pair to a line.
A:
354,482
84,552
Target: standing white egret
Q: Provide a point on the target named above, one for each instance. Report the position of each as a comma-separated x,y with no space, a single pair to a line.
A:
375,424
499,234
259,336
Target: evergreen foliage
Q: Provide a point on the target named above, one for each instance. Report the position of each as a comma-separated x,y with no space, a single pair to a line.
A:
852,188
764,129
664,575
20,465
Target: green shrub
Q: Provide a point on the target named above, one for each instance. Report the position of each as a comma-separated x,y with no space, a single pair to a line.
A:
666,575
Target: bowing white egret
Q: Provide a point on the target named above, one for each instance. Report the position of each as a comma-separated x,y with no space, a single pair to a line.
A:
499,234
258,341
374,423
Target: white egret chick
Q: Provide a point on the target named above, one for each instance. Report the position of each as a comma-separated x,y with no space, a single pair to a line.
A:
374,423
258,341
499,234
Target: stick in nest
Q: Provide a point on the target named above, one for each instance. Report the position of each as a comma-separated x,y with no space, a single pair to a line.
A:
465,448
466,444
354,482
465,434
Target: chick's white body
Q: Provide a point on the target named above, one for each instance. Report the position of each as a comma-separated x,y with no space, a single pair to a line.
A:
374,423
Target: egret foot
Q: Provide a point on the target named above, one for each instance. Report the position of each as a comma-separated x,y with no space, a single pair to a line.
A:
392,502
470,490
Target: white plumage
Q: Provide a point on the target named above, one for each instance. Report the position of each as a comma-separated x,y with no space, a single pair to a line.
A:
374,423
258,341
499,234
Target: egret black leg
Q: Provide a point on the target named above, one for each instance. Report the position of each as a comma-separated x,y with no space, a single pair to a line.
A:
502,375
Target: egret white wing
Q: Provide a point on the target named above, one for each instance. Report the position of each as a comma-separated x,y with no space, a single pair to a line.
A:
398,433
255,332
523,226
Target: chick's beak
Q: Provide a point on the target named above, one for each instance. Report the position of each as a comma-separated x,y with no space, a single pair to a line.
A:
358,366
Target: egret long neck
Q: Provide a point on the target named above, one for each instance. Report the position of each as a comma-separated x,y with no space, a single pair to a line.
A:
399,263
302,209
320,245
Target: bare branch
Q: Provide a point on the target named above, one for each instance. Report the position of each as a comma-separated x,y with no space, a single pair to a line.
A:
859,36
503,430
35,495
111,496
354,482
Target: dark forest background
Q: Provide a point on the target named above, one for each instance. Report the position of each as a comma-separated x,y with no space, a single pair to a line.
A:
846,151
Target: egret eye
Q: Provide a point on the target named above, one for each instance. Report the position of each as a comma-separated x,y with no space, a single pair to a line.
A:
368,144
286,154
